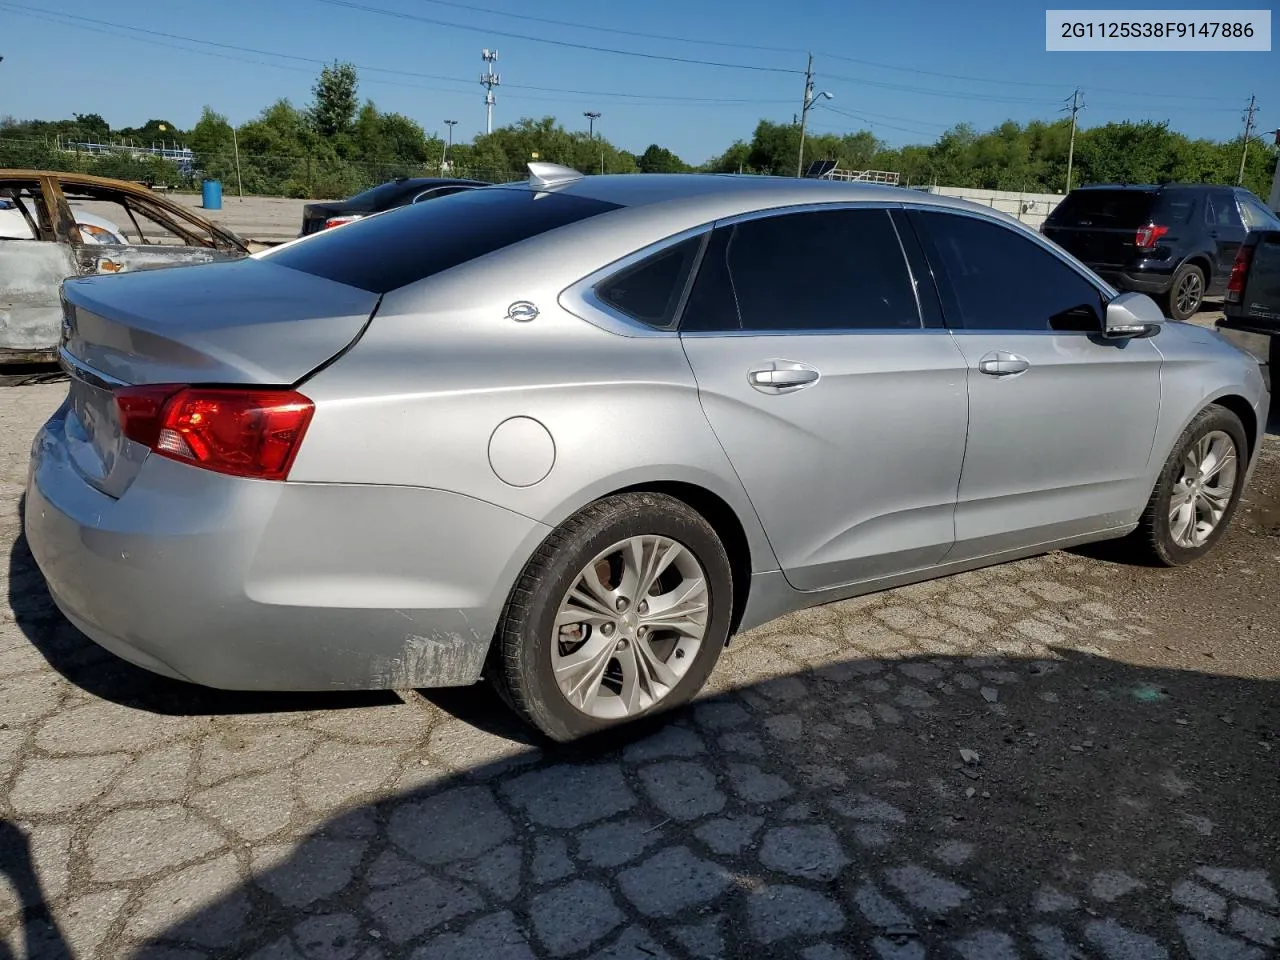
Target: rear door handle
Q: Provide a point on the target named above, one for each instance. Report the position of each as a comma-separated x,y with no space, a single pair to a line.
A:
782,376
1001,364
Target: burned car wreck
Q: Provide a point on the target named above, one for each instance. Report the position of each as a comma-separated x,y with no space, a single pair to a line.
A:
48,236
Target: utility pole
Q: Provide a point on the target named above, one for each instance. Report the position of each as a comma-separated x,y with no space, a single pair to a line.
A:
235,145
804,112
1076,107
592,116
1248,129
444,164
810,98
489,80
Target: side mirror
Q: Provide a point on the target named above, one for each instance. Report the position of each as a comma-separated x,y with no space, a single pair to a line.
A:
1132,315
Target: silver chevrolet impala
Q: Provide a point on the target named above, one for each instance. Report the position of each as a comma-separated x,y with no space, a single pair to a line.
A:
570,434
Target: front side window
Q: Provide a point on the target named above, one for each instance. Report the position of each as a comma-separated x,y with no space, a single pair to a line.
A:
1000,280
827,270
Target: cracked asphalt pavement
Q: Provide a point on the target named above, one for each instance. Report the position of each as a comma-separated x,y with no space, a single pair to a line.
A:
1066,757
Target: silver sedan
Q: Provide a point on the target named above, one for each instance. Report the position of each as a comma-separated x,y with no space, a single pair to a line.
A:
570,434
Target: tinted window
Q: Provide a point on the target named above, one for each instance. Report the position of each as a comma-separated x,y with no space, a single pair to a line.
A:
1256,216
1093,207
650,290
395,248
1000,280
1220,210
1175,206
830,270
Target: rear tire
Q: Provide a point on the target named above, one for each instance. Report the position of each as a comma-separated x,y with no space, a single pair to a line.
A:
623,659
1197,492
1186,293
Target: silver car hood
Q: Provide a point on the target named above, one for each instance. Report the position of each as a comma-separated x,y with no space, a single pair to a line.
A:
244,321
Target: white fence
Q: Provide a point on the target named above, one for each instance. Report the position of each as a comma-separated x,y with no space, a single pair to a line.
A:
1030,208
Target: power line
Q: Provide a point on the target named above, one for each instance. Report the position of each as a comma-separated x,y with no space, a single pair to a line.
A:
402,15
875,123
793,51
114,29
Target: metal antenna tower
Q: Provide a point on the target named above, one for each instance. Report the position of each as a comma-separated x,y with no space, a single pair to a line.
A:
489,80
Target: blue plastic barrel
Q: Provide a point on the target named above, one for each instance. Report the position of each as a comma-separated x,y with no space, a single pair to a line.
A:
211,193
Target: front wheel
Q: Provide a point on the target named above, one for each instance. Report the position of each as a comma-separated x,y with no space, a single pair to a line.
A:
1198,490
621,613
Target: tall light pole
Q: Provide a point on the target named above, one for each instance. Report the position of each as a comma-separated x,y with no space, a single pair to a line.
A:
592,116
806,105
444,164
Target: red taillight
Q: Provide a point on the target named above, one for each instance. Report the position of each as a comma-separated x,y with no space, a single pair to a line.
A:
1148,235
1239,271
339,221
245,433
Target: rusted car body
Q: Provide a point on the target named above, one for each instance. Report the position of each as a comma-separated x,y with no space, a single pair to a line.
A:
161,233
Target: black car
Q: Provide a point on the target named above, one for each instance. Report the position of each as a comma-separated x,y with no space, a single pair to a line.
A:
1252,310
385,196
1175,242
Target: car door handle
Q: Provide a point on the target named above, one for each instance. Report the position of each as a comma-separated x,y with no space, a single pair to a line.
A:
782,376
1003,364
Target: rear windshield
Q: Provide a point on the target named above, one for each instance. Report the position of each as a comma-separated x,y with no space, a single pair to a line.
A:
389,250
375,198
1104,208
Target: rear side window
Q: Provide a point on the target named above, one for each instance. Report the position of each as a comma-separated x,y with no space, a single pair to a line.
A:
650,290
826,270
997,279
1175,207
389,250
1103,208
1220,210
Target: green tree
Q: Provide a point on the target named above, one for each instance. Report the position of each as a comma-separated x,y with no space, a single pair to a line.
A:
333,107
656,159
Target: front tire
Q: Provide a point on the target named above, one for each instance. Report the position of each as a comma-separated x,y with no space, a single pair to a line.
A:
621,613
1186,293
1198,490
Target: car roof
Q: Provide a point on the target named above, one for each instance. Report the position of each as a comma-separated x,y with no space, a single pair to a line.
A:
1148,187
712,195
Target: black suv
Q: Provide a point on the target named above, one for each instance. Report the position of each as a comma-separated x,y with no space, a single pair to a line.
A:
1176,242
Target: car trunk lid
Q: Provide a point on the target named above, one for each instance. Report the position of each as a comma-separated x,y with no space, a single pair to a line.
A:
247,322
315,215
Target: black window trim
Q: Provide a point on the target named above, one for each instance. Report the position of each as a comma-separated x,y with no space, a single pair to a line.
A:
1105,291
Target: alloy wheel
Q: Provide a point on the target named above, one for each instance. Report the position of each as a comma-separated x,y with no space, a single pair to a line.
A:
630,627
1203,490
1190,292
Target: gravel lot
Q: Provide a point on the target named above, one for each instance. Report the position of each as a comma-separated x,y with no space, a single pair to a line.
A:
1066,757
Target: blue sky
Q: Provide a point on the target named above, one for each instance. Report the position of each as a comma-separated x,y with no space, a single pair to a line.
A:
906,61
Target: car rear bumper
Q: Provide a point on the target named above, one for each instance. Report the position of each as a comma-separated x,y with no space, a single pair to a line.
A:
250,585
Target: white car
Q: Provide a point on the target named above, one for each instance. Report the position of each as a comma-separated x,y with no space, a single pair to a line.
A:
93,229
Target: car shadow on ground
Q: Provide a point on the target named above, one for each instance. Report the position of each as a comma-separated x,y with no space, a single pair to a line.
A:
1068,806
